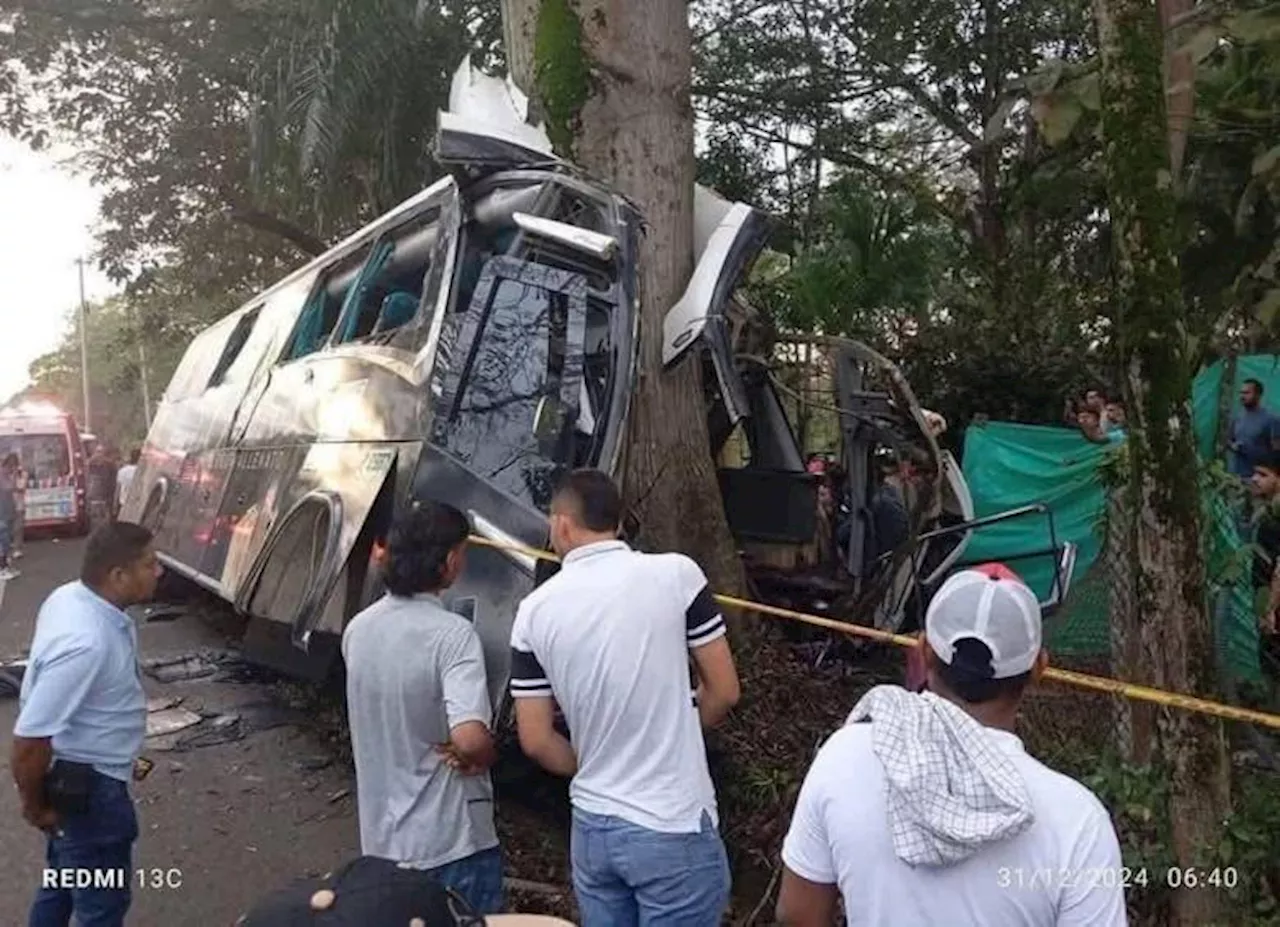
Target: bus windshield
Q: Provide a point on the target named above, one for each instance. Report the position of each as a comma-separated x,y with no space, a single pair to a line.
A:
46,458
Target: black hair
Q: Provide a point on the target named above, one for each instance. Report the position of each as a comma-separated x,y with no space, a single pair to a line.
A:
1256,384
11,460
418,546
1269,461
134,456
115,546
971,676
596,501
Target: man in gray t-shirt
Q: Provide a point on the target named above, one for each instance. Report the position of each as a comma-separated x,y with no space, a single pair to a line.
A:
418,704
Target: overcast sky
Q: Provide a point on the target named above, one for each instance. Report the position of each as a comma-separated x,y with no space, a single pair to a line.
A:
47,214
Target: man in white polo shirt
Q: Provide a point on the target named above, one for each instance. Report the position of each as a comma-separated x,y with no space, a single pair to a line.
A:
609,638
926,810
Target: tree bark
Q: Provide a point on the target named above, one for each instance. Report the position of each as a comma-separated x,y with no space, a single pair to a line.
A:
1180,80
612,80
1149,317
1135,721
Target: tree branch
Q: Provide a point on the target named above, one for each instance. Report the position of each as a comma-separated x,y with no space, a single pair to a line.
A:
300,238
939,112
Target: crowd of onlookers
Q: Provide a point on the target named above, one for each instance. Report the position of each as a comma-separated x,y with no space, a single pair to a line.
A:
922,809
107,481
1100,420
1253,455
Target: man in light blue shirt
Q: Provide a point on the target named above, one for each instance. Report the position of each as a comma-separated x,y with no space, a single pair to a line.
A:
81,726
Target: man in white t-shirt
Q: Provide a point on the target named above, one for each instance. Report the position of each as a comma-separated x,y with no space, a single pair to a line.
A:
418,704
124,477
609,638
926,810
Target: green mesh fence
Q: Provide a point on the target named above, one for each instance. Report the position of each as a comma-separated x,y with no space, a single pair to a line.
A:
1008,466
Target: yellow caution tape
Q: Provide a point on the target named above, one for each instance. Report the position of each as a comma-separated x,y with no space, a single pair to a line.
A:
1128,690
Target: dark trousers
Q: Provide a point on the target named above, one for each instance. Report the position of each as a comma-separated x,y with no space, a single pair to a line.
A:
95,848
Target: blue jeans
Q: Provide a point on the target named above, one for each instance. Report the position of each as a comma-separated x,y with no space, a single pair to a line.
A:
627,876
98,841
477,878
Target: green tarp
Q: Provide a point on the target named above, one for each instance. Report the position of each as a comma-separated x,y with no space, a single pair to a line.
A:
1008,466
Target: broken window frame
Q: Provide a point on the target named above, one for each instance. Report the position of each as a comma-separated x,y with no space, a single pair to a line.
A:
473,327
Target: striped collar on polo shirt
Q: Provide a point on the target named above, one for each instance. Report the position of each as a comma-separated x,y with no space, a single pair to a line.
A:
586,551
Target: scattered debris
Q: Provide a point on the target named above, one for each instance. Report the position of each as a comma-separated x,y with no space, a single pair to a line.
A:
339,796
160,704
223,729
176,767
11,679
180,669
170,721
222,665
265,715
158,612
312,763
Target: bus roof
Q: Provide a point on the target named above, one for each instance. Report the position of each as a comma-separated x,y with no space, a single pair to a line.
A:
33,418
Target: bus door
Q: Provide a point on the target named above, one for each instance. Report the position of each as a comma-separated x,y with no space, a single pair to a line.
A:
503,432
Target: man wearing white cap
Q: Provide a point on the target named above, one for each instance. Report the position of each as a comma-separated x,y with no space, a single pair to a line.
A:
925,809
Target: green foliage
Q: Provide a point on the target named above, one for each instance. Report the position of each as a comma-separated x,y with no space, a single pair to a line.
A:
345,96
1138,799
120,331
561,70
234,139
1228,216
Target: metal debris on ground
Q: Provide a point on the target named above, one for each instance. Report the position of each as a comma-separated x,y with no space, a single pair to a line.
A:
312,763
158,612
339,796
213,665
11,678
161,703
170,721
178,669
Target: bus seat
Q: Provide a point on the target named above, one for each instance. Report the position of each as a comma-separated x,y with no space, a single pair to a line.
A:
398,308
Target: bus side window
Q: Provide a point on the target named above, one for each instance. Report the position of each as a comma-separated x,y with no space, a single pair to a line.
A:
235,344
323,307
391,284
196,367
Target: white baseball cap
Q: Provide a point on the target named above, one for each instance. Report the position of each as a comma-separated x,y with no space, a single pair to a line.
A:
990,604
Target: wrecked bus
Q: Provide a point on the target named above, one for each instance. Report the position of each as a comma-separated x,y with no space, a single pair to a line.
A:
469,346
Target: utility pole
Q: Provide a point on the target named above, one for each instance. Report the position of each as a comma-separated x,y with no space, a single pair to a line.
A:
142,373
84,347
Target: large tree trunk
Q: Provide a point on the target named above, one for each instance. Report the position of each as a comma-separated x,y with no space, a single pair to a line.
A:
1180,80
611,78
1176,634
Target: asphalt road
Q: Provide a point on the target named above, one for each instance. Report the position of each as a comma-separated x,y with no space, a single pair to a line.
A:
220,825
